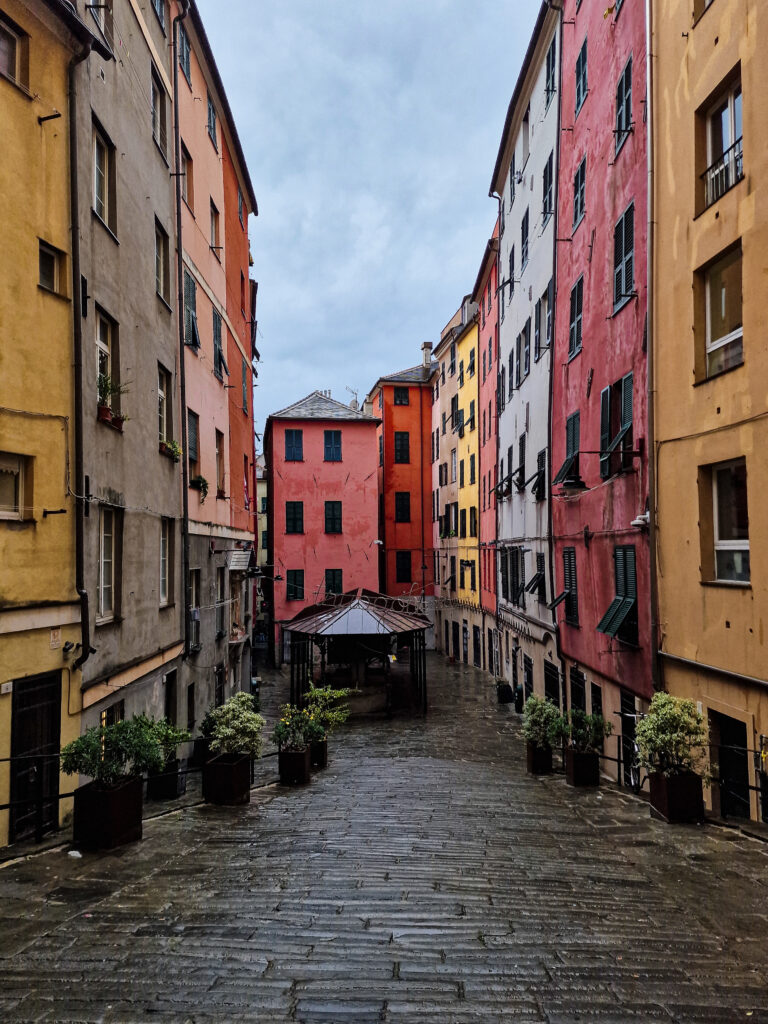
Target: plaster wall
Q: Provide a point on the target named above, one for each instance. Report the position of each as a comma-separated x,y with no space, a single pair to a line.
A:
444,384
467,449
487,421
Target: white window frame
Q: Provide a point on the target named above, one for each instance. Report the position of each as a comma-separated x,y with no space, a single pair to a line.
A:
729,96
165,531
453,465
162,403
106,608
727,339
103,347
214,228
725,545
186,169
162,276
56,256
6,30
13,465
100,203
159,126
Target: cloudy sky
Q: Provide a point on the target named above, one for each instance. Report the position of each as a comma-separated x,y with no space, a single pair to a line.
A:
370,128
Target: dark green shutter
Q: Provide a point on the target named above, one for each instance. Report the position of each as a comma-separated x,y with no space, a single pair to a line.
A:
537,329
605,432
626,400
629,249
618,262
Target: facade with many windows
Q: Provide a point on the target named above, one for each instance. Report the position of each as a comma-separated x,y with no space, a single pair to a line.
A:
710,367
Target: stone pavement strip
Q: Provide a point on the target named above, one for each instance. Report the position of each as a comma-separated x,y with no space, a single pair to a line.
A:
421,877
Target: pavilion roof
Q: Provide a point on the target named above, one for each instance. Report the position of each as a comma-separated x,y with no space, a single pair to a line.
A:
358,613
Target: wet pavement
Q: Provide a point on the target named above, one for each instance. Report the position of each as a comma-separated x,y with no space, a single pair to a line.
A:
423,876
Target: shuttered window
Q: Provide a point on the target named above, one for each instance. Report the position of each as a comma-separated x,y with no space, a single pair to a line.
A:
191,334
578,690
333,517
402,446
332,445
615,426
294,585
219,362
333,581
193,438
623,257
294,445
504,570
581,76
537,329
294,517
570,582
548,205
624,105
403,567
524,241
577,310
620,620
579,192
402,506
570,468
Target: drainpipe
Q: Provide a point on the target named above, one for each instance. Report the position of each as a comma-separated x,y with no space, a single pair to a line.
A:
182,348
497,339
656,666
77,310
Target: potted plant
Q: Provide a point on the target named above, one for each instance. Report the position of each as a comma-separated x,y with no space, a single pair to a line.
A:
672,747
109,389
199,483
540,720
583,736
504,692
171,781
235,739
171,448
108,809
328,710
293,735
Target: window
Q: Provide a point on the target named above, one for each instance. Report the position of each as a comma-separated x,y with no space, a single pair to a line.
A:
569,471
623,257
194,608
215,229
503,218
264,505
332,440
159,8
519,473
511,272
15,486
103,178
191,333
624,105
540,481
581,76
461,473
526,134
472,469
402,506
381,449
504,574
333,517
577,312
221,601
401,396
294,585
548,203
473,521
516,558
212,122
219,362
730,522
538,584
245,385
187,178
578,690
220,465
113,714
616,426
551,71
193,441
579,192
453,465
219,684
191,706
240,207
162,263
725,158
166,560
402,446
723,298
512,181
403,567
164,404
107,552
620,620
571,588
333,581
527,347
51,268
159,122
471,363
524,242
294,446
11,47
294,517
107,362
185,62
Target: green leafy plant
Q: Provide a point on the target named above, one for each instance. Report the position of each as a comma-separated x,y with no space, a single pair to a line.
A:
174,449
199,483
672,738
296,729
109,388
235,727
169,738
540,721
329,707
584,733
109,753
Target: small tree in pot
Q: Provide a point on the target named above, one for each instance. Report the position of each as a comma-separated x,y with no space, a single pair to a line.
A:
583,736
235,739
329,709
171,781
672,747
293,735
108,810
540,718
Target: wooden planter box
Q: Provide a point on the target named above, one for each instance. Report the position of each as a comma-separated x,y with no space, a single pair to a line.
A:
169,783
227,780
318,754
504,693
293,766
582,768
105,818
539,759
201,752
676,798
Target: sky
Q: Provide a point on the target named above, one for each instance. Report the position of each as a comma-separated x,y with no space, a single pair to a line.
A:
370,129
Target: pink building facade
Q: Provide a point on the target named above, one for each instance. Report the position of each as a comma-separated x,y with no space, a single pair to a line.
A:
323,507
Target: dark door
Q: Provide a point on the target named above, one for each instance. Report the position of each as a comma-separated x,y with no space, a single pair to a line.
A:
628,722
476,646
456,640
447,639
527,676
465,642
35,737
734,767
170,697
491,659
552,683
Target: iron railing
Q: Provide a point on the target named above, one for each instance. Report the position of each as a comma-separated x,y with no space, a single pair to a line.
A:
724,173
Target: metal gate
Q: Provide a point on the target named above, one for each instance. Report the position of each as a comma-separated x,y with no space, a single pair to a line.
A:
35,739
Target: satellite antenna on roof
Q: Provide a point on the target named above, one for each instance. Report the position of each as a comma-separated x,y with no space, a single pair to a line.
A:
354,404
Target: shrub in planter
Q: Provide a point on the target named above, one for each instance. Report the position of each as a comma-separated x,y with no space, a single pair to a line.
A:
235,738
540,718
107,811
171,781
583,736
293,735
672,747
328,709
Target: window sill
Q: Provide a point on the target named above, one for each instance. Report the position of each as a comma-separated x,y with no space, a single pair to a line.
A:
576,223
106,227
50,291
620,143
164,301
160,150
715,376
624,302
166,606
580,107
113,620
728,584
572,355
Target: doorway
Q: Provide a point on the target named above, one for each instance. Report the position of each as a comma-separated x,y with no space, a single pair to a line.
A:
465,641
35,739
491,659
456,641
476,646
730,753
447,638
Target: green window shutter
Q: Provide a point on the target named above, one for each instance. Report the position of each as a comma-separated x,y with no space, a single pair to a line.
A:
192,437
629,249
550,308
245,386
630,573
537,329
605,432
626,400
572,336
620,127
618,262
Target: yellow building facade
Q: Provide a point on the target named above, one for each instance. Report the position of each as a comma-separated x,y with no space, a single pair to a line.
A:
39,606
709,217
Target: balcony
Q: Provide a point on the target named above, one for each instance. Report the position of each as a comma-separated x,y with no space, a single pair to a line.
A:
724,173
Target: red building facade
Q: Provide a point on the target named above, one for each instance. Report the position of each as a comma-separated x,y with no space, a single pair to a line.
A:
599,418
323,489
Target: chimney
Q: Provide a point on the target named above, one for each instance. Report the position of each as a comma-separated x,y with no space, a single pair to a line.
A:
368,407
426,353
353,405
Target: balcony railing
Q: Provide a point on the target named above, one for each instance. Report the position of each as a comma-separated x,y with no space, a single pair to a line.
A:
724,173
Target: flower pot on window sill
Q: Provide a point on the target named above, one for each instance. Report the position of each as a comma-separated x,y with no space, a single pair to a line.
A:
103,414
117,422
165,449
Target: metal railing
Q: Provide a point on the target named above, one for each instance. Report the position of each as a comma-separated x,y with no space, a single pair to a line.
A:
724,173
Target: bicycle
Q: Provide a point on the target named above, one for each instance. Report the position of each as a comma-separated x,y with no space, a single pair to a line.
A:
635,780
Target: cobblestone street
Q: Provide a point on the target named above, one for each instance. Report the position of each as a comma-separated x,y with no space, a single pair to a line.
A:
422,877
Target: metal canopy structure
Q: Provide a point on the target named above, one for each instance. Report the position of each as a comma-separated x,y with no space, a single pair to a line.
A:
355,628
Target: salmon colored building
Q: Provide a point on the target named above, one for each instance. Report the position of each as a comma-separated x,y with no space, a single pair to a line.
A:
323,497
403,403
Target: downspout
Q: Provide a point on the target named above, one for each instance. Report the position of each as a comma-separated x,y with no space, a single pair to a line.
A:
656,665
182,347
77,310
421,499
497,340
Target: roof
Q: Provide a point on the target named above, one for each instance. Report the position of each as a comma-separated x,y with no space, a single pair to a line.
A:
67,13
414,375
317,406
358,613
489,256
